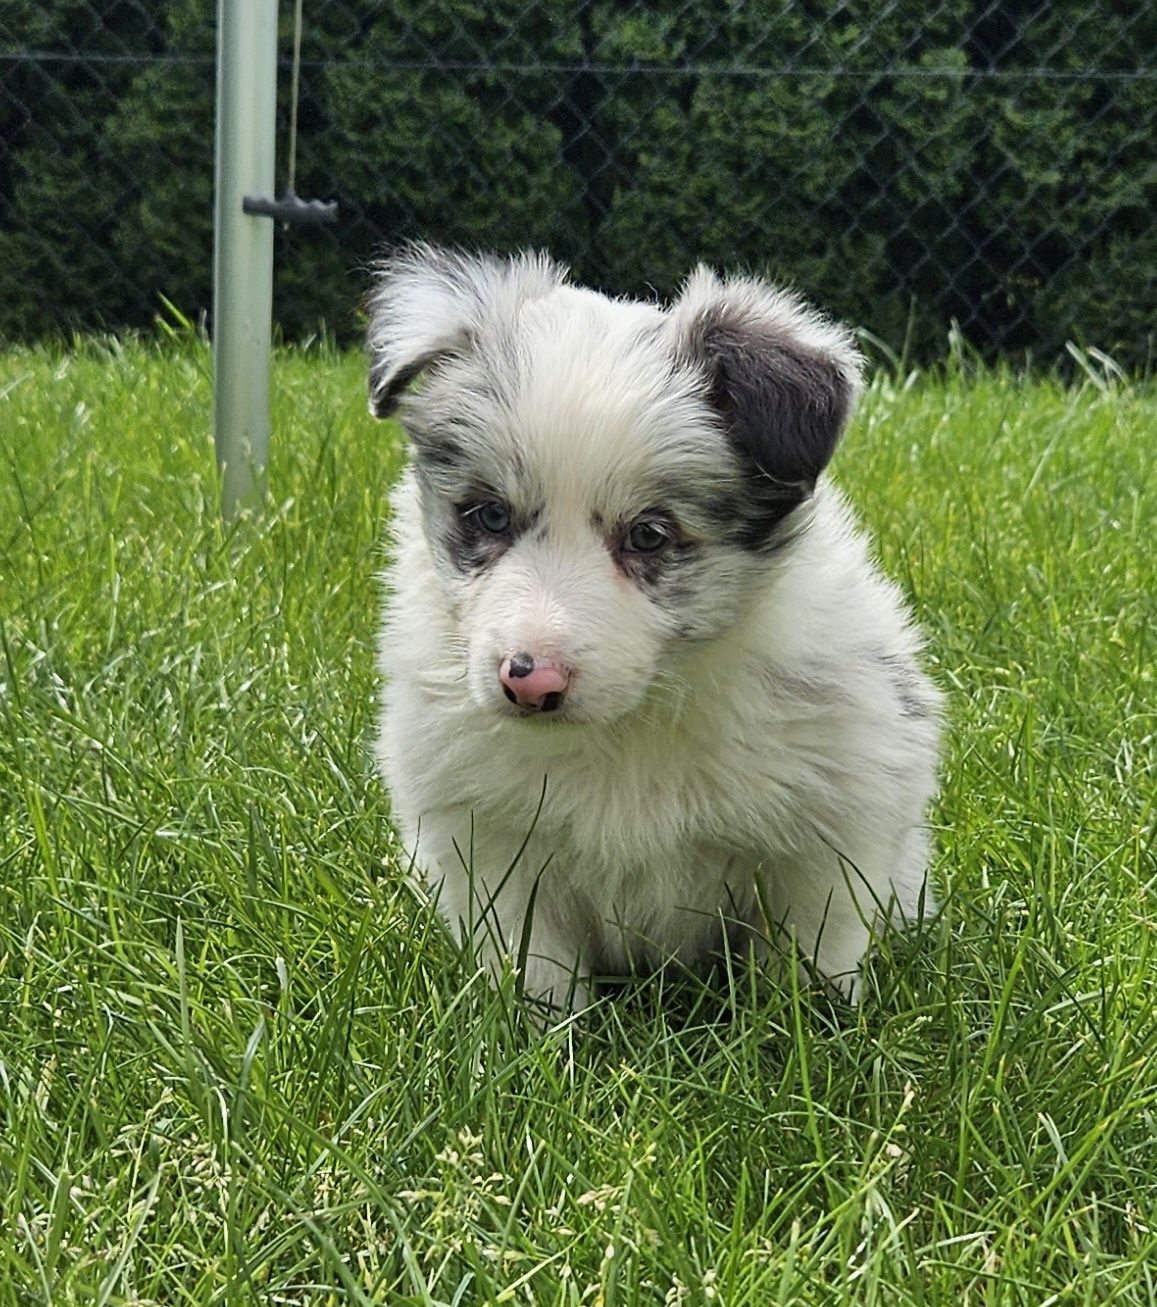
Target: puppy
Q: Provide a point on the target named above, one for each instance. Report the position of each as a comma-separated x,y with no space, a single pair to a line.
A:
643,685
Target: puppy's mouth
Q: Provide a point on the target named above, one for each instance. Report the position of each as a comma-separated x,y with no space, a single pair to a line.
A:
552,710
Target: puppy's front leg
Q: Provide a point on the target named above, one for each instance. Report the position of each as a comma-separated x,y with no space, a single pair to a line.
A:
513,928
812,902
520,915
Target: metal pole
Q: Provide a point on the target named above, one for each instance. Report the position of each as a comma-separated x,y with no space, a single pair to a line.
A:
243,245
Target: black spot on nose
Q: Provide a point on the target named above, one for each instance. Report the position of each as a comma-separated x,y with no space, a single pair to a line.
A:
551,701
521,664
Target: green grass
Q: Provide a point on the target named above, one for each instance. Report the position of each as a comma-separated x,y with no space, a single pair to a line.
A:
239,1064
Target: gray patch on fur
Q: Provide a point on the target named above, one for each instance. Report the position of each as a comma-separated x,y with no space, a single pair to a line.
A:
910,687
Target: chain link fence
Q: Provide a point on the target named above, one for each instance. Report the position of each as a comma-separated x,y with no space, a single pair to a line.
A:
911,166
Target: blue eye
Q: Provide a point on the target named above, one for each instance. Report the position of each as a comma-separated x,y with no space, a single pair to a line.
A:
647,538
493,517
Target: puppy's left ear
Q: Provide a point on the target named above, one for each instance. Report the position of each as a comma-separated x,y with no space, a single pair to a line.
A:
783,378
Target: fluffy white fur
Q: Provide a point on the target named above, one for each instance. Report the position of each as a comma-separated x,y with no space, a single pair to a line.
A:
747,744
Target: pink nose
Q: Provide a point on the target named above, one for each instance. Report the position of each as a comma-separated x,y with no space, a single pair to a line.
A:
537,683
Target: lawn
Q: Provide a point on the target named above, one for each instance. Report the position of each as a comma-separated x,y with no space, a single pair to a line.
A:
239,1063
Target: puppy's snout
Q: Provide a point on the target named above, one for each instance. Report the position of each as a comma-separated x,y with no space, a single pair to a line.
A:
536,683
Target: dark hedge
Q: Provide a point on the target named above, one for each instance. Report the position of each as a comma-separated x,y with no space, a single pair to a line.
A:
905,165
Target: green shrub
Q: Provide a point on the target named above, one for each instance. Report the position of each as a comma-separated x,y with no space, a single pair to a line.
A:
906,167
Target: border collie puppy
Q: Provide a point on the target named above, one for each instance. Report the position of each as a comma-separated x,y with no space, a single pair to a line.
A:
644,687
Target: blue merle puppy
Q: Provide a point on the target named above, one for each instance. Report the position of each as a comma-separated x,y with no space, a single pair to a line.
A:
643,683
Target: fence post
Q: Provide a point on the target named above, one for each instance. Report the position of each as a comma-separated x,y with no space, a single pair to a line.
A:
243,245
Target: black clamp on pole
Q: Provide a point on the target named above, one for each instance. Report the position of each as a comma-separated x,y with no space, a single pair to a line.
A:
291,208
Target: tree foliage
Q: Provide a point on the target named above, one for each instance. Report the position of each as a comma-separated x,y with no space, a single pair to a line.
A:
906,166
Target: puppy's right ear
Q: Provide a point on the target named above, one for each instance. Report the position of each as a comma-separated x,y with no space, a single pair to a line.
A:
431,303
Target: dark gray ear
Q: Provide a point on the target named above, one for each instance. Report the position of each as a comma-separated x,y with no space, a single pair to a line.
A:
782,377
429,303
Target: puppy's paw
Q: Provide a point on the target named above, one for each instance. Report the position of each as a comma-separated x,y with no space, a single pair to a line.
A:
552,991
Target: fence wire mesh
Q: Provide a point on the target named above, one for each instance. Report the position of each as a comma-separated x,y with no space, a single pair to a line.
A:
908,165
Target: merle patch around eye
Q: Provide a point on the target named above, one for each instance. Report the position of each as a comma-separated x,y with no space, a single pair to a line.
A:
491,515
651,548
647,536
471,546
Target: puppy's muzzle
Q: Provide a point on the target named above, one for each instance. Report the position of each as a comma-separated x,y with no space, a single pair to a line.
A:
539,684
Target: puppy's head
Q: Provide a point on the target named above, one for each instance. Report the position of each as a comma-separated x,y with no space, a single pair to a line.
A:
601,481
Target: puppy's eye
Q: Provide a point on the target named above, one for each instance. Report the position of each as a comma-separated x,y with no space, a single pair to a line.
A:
492,516
647,537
